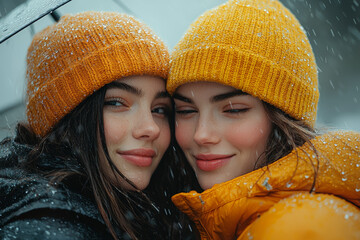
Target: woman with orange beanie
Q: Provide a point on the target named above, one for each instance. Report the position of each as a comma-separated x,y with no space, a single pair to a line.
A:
245,85
88,164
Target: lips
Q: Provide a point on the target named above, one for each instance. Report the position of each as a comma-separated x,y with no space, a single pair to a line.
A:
141,157
211,162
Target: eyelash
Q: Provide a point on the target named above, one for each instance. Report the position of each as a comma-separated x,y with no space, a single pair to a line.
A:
120,102
230,111
114,102
236,110
185,112
166,110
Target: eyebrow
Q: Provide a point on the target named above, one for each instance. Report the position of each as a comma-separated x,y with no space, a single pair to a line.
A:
182,98
162,94
125,87
213,99
224,96
134,90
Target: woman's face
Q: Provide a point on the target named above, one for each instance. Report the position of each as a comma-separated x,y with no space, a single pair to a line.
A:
136,127
221,130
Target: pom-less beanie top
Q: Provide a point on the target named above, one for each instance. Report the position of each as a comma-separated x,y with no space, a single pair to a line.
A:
73,58
257,46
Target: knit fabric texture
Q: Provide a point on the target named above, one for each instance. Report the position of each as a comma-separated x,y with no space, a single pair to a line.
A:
257,46
73,58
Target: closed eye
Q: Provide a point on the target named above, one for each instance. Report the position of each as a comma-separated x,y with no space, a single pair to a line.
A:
237,110
185,112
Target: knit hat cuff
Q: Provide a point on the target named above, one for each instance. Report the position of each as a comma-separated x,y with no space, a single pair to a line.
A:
251,73
90,74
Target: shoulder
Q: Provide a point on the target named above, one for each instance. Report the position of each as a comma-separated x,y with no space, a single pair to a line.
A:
307,216
53,224
30,203
339,143
349,138
10,152
34,209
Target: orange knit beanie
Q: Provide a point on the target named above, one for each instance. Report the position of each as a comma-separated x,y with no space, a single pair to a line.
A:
257,46
71,59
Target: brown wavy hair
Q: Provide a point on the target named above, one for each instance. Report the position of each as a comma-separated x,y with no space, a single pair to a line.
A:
74,140
287,134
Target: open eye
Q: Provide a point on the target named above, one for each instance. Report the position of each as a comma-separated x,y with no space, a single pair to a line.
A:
161,110
114,102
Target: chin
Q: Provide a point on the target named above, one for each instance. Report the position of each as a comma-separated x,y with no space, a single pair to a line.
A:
208,182
142,186
140,183
206,185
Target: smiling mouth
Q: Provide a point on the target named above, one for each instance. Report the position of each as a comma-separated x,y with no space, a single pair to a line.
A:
211,162
139,157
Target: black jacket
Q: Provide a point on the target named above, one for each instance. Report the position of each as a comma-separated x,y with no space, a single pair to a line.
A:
32,208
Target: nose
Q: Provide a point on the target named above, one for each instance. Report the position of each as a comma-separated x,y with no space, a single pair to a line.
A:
146,127
205,132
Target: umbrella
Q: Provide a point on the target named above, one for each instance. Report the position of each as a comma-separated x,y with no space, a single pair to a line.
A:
27,13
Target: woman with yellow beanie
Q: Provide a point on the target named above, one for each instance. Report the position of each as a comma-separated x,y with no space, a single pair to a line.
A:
245,85
88,164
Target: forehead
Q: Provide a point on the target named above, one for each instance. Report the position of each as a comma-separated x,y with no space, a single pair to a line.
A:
202,87
143,79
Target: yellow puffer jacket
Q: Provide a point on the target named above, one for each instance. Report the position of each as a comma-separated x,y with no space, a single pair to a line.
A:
274,202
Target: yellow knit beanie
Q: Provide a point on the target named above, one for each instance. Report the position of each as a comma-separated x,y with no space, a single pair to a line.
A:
71,59
257,46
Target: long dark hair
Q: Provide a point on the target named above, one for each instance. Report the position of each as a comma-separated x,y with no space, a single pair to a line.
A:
287,134
74,141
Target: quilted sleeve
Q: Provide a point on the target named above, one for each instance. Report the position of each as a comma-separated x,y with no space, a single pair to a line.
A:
307,216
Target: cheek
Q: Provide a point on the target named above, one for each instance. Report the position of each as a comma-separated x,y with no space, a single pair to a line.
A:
114,129
251,136
165,135
184,133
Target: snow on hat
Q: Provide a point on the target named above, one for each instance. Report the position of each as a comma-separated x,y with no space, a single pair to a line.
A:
71,59
257,46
